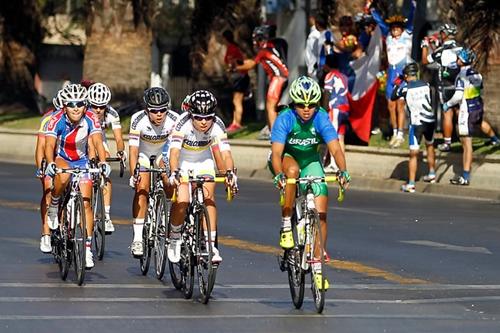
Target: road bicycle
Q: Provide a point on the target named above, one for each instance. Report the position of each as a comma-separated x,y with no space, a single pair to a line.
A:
98,184
196,248
307,235
68,240
155,224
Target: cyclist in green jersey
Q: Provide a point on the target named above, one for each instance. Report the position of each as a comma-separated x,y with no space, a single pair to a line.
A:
295,137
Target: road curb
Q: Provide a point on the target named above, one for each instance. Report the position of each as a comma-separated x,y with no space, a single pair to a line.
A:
372,168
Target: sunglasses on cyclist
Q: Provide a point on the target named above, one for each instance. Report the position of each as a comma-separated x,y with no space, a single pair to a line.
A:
100,107
155,111
75,104
303,106
207,117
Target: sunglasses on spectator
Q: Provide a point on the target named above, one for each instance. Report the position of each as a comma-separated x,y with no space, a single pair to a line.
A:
100,107
208,117
155,111
303,106
75,104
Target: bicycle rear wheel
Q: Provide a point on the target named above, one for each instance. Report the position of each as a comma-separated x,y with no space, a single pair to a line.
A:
160,243
206,270
316,238
99,221
146,249
79,238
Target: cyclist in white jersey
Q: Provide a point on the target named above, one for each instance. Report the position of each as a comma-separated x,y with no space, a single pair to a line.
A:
149,132
196,135
99,96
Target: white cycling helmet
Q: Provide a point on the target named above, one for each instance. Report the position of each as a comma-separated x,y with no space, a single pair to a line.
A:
57,100
99,94
73,93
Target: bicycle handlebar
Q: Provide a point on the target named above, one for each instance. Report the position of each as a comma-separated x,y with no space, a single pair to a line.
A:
219,178
314,179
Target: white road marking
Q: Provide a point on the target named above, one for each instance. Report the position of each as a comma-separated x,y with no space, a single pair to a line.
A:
380,286
12,299
236,316
443,246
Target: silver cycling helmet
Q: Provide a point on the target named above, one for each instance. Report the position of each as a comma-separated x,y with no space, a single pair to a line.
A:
73,93
99,94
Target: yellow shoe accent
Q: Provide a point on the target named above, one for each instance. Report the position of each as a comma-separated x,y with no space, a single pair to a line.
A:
318,278
286,239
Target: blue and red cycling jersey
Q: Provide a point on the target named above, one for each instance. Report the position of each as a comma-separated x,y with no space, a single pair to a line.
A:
73,138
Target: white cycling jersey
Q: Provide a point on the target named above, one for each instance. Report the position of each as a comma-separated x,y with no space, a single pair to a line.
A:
195,145
111,119
151,139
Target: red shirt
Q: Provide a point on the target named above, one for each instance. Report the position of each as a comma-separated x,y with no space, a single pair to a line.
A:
270,60
233,54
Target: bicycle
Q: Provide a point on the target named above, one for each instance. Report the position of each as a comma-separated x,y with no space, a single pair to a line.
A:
69,239
196,248
307,235
98,184
155,224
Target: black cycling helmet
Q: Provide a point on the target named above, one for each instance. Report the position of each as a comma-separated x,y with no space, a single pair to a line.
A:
261,33
411,69
157,98
202,102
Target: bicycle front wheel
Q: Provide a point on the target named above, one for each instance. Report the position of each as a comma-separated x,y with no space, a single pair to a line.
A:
99,221
160,243
317,287
204,266
60,243
146,249
79,238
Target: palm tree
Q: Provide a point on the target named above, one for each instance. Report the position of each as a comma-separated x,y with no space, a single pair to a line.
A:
119,44
18,49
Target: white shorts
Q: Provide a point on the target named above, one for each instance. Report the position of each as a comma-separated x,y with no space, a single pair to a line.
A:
204,167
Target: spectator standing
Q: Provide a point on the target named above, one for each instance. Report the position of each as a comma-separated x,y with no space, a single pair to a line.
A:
445,56
417,95
468,90
398,30
240,81
347,49
276,70
325,45
311,52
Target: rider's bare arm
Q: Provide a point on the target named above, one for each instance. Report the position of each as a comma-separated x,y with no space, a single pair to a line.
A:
276,153
336,152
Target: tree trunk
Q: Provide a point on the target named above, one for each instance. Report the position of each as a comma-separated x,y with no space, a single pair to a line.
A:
118,50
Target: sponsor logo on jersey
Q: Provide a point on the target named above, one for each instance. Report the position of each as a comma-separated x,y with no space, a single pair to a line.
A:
137,120
192,143
154,138
303,142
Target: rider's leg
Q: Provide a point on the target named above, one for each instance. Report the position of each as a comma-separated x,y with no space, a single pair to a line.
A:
140,205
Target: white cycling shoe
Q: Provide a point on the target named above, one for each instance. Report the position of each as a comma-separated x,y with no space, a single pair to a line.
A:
45,244
216,258
136,249
52,218
89,258
108,226
174,250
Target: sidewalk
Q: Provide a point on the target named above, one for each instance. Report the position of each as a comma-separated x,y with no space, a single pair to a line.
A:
371,168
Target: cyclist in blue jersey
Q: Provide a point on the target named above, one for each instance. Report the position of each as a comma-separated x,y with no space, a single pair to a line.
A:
295,139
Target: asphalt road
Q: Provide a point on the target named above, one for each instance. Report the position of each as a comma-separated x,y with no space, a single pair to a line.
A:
401,263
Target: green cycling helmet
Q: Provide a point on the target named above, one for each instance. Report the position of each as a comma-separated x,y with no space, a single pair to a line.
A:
305,90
